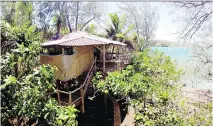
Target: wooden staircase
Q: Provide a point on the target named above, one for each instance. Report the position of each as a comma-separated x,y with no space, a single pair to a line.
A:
76,97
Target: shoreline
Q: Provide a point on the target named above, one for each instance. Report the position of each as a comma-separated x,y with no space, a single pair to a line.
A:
197,95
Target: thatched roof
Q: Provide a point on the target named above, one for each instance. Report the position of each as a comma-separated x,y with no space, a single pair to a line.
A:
81,39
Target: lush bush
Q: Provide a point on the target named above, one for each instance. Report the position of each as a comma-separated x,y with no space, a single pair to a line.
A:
24,82
24,100
150,86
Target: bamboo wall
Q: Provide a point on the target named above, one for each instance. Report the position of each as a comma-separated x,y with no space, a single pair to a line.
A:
70,66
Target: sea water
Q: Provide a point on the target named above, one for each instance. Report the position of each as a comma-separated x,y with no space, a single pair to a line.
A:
183,57
180,54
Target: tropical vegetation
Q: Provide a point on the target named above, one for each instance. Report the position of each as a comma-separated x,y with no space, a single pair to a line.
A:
25,83
149,85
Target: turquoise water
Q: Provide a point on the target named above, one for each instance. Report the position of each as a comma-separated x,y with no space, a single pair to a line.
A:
183,57
180,54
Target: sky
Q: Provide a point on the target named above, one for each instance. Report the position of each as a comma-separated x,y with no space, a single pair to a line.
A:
166,29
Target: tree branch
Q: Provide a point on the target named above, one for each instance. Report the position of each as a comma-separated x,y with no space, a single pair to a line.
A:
87,22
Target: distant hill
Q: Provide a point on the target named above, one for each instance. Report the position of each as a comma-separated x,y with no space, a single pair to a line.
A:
164,43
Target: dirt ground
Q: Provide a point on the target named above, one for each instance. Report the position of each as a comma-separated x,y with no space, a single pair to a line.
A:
194,95
197,95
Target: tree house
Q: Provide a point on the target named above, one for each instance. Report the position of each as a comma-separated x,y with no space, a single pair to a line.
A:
80,52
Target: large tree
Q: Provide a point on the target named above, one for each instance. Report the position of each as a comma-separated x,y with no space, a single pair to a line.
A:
74,15
145,18
117,26
17,26
24,83
196,20
196,28
118,29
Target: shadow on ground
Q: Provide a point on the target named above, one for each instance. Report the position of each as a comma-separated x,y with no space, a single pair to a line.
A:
97,114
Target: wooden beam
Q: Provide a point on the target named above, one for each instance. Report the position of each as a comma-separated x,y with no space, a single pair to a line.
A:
98,48
64,92
109,61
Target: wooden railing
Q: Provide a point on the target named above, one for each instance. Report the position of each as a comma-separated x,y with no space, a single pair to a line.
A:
89,76
82,88
70,102
114,62
124,57
117,65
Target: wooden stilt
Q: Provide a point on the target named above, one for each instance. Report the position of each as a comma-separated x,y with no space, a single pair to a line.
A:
70,98
63,51
95,65
58,95
82,100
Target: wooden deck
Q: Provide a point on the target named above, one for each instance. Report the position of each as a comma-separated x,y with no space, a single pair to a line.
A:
113,62
111,65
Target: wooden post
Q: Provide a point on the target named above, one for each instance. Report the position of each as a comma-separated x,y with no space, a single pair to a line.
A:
104,58
82,100
59,100
119,61
118,65
63,51
70,98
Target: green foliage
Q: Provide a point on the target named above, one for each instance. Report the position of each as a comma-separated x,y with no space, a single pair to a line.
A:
117,23
20,61
31,94
149,85
148,70
116,29
19,29
119,30
120,37
64,31
130,27
91,29
25,83
25,98
60,115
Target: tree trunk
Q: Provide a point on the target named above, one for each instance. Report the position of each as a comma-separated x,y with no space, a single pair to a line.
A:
87,23
117,113
68,23
76,19
144,101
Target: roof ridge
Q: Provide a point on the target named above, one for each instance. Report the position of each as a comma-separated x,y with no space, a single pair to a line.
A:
84,38
70,40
